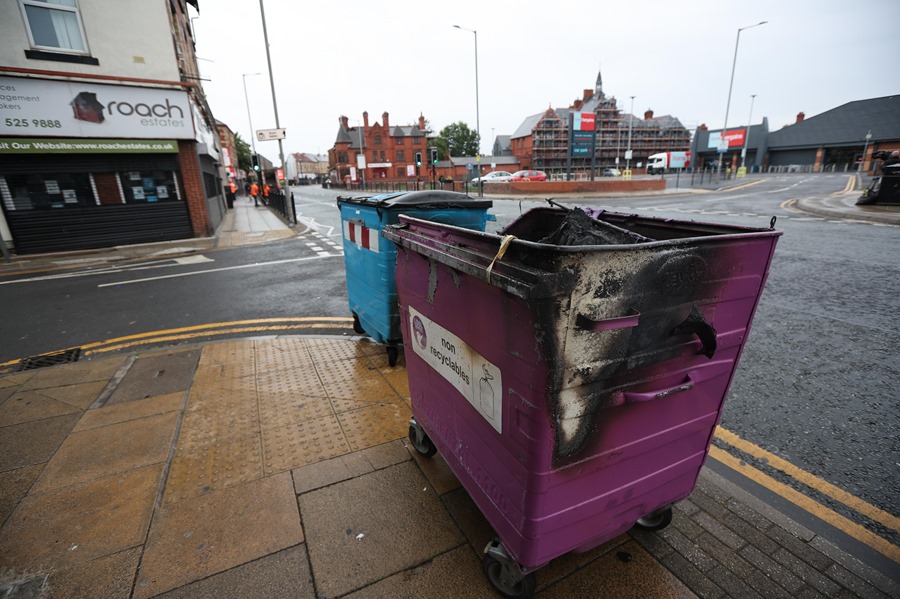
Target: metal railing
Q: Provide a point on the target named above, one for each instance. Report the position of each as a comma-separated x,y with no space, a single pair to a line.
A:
282,203
379,187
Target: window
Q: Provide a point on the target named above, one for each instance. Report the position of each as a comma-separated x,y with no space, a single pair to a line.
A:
342,157
401,156
54,25
377,140
141,187
400,141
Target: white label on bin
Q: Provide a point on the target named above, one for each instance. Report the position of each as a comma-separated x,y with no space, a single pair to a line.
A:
474,377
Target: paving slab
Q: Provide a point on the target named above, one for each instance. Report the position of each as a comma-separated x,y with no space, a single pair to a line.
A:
79,523
105,451
109,577
134,410
45,436
14,484
83,371
195,538
156,375
374,526
27,406
282,575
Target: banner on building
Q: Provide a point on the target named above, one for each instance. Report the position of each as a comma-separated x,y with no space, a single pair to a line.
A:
55,145
734,137
31,107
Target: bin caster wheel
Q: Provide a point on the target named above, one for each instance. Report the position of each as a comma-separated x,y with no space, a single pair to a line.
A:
506,580
656,521
393,353
420,441
357,328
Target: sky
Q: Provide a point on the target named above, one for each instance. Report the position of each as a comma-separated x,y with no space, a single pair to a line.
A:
406,58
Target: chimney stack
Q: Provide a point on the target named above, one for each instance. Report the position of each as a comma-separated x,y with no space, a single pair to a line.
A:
386,123
421,122
648,115
800,116
366,119
343,121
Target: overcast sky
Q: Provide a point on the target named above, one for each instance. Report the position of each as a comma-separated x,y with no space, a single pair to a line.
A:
406,58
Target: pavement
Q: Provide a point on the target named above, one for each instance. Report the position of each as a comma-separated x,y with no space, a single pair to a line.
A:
280,467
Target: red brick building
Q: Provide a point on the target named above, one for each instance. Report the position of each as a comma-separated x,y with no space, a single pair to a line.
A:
389,151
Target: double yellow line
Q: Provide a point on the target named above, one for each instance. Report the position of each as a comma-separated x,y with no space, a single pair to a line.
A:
259,325
815,508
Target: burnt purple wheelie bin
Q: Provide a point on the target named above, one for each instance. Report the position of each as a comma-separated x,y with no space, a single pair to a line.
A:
572,370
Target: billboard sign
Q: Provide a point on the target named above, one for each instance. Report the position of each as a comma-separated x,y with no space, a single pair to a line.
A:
41,108
584,121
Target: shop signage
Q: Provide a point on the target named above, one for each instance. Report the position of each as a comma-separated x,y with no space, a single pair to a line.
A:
31,107
56,145
734,137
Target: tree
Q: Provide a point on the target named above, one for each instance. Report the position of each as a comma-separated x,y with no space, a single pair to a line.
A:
457,140
244,154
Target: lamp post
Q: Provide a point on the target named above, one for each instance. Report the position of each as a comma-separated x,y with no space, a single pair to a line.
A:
728,104
249,118
477,110
865,148
630,124
747,136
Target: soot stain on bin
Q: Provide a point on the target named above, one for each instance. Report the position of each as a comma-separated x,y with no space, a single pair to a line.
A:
662,290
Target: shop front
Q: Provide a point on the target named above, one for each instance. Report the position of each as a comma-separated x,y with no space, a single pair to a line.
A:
87,165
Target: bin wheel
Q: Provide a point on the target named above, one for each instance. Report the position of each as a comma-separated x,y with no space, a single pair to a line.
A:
656,520
505,581
393,353
357,328
419,439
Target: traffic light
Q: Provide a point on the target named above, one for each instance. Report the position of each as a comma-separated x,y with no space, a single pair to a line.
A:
434,158
418,158
256,162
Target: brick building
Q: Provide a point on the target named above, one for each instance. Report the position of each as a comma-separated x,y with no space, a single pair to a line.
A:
542,140
389,150
106,137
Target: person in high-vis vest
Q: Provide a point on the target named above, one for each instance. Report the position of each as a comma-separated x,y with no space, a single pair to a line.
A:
254,193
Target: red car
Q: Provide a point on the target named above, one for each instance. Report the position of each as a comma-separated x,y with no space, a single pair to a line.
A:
529,176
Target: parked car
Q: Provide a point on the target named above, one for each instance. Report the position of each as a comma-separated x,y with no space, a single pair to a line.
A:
529,176
612,172
492,177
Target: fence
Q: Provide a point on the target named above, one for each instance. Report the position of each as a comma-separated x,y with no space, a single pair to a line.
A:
282,204
379,187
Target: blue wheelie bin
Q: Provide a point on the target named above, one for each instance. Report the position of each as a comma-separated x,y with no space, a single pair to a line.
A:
370,259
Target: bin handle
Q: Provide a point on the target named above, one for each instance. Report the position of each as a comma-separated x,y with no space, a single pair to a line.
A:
620,322
696,324
504,244
694,377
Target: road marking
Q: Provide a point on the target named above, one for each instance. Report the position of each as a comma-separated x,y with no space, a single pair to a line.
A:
205,330
818,510
810,480
207,271
116,268
313,225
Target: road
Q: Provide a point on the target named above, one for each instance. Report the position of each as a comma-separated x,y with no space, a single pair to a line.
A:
816,386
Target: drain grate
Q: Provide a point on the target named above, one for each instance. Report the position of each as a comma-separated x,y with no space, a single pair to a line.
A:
52,359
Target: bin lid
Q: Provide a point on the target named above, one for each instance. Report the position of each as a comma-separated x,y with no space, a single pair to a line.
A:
425,199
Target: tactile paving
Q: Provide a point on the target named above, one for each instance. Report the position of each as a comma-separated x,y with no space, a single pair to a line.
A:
353,384
374,425
280,409
303,443
218,465
326,351
284,365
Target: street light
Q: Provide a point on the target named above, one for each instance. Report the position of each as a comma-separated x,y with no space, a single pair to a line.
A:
630,123
477,111
865,148
361,157
724,140
249,118
747,136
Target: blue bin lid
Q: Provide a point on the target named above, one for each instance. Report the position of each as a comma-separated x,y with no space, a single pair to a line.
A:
425,199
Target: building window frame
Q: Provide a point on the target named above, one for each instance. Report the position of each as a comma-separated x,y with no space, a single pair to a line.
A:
56,7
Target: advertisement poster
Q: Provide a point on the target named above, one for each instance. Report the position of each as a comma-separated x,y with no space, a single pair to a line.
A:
38,108
479,381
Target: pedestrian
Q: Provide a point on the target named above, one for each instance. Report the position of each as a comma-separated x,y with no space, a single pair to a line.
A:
254,193
266,190
233,188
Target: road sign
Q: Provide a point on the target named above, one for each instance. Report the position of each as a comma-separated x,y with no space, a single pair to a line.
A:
270,134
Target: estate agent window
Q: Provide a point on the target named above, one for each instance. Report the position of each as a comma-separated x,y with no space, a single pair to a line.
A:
54,25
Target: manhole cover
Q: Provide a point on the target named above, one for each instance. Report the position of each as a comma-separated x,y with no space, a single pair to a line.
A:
51,359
